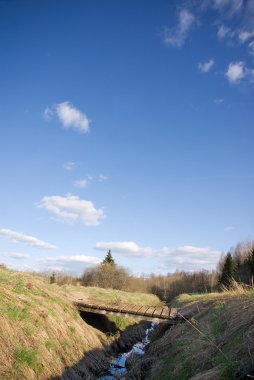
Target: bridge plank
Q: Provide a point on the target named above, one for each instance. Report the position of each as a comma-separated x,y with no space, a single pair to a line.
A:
165,313
124,308
142,310
173,313
149,311
159,312
134,308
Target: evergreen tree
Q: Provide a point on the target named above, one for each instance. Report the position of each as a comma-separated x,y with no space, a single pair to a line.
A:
52,278
109,258
227,274
250,261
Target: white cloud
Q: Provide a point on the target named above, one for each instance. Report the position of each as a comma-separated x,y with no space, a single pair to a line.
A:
245,35
218,101
81,259
18,237
205,67
229,7
229,228
71,208
185,258
74,264
251,47
191,258
178,36
128,248
48,113
17,255
69,116
81,183
224,32
69,166
102,178
236,72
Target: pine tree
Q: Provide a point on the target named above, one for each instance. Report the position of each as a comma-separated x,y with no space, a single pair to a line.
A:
52,278
227,273
109,258
251,262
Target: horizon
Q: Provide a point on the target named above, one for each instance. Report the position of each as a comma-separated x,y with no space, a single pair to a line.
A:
126,126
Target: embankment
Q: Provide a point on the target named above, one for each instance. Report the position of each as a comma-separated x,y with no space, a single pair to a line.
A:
216,343
42,334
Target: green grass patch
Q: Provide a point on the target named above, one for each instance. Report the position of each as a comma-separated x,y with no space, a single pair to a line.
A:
29,330
217,319
174,369
25,355
227,367
14,313
121,322
19,287
50,344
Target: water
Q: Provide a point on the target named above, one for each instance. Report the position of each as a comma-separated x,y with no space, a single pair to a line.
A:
117,365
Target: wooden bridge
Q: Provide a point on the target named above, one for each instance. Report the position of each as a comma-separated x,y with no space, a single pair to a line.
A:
151,313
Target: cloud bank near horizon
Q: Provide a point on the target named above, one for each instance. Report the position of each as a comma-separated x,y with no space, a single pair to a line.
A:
17,237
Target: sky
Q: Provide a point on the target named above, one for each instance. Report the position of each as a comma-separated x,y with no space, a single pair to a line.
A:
125,125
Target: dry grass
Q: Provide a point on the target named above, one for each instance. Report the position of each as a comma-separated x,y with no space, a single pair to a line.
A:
41,333
111,296
216,344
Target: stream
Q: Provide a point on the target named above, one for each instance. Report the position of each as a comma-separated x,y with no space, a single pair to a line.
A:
117,365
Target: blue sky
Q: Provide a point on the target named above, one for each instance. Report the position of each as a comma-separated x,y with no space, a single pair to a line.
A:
125,125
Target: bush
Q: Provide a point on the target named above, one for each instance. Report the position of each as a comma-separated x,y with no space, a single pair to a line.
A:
107,276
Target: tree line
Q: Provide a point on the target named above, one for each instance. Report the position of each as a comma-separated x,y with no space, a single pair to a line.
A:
237,265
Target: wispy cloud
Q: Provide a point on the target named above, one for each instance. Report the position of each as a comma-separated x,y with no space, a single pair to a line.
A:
81,259
103,178
48,113
236,72
69,166
74,264
218,101
81,183
69,116
224,32
244,35
187,257
17,255
176,37
18,237
128,248
71,208
228,7
206,66
251,47
229,228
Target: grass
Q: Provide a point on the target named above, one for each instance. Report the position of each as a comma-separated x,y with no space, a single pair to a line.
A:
113,296
24,355
216,343
13,312
41,332
121,322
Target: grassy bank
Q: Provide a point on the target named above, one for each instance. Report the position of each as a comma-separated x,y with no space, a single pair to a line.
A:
110,295
216,343
41,333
